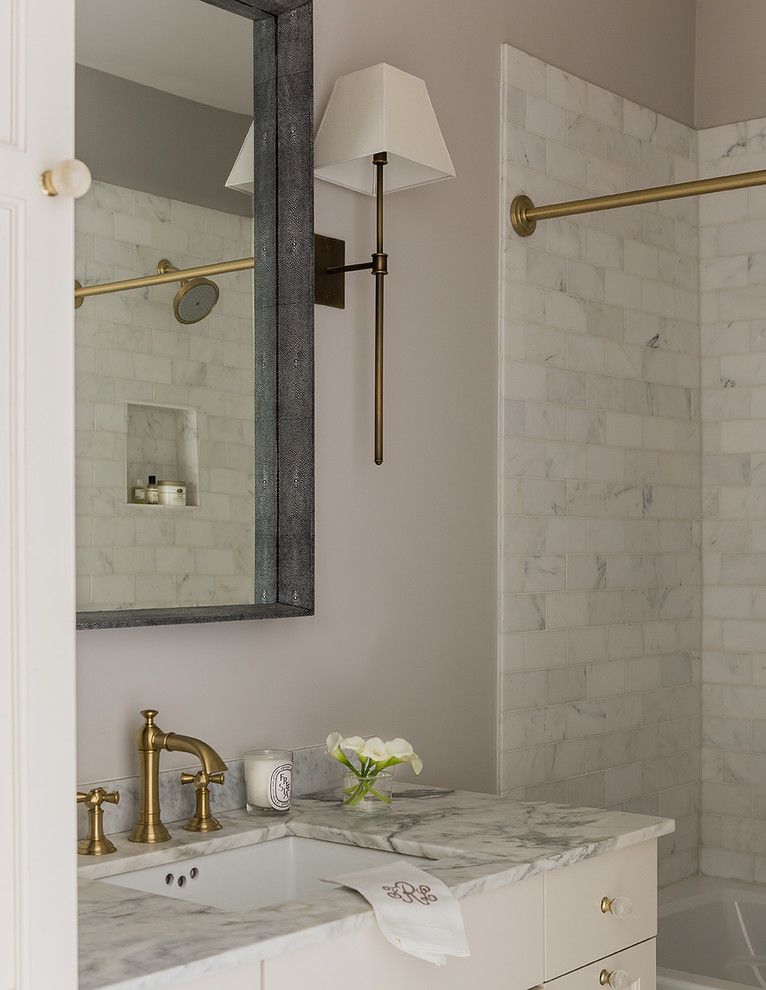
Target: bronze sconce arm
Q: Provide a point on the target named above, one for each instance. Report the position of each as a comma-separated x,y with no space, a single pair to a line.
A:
330,288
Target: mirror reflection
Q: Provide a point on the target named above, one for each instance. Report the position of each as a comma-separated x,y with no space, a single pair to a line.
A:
164,370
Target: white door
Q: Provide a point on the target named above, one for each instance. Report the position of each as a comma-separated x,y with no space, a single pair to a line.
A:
38,934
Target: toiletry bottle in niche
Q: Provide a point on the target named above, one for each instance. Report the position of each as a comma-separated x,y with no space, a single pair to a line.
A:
138,492
152,491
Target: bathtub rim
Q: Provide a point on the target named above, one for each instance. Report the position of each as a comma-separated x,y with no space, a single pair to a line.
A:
700,890
689,893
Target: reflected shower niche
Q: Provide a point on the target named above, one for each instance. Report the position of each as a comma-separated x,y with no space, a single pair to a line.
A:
163,441
133,554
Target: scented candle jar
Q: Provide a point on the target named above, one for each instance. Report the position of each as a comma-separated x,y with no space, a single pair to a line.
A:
268,780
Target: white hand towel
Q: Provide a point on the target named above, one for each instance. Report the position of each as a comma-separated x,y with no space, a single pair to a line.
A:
415,911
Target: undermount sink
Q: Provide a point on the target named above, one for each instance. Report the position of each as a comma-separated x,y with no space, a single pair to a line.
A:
258,875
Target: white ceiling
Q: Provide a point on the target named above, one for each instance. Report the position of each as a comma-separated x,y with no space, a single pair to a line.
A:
185,47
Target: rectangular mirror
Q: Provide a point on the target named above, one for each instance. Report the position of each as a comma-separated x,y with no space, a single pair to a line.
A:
194,319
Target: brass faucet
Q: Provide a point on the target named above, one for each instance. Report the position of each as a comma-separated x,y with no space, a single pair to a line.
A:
151,741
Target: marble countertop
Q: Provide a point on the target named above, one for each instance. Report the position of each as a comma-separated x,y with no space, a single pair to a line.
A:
133,941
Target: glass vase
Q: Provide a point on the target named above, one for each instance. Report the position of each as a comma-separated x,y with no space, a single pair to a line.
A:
369,795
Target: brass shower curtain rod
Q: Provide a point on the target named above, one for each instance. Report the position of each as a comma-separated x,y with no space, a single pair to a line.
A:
161,278
524,213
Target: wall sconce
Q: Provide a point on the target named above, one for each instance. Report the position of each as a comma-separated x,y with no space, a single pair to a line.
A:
382,117
242,175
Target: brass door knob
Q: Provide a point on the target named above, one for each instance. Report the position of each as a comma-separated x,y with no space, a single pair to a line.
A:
96,844
68,178
202,820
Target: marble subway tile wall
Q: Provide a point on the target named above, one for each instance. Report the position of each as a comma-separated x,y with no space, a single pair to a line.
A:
733,318
600,461
140,373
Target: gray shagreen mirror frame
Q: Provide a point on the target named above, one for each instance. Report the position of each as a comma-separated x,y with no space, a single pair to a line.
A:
283,327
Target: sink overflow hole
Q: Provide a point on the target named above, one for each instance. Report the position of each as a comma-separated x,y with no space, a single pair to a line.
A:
182,881
194,872
169,878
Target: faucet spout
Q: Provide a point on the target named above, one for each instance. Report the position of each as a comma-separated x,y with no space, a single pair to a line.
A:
210,760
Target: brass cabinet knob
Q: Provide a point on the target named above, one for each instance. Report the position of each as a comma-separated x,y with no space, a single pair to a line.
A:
618,979
96,844
618,907
69,178
202,820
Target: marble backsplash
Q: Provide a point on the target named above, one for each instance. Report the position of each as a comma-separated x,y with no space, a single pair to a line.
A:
313,770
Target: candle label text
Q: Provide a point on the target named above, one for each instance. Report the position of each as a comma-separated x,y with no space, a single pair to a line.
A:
281,786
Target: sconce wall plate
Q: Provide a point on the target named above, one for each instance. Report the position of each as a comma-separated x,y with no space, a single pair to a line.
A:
329,287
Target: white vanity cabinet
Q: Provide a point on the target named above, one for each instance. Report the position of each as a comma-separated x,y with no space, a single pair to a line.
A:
554,931
577,929
504,932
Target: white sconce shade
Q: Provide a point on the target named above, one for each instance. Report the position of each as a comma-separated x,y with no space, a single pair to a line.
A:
380,109
241,176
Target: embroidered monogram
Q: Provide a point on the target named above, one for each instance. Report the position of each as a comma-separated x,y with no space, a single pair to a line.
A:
409,893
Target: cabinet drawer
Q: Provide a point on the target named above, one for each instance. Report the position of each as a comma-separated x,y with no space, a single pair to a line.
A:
639,963
577,930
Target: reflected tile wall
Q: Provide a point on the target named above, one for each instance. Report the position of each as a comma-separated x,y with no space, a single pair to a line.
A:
733,282
131,354
600,461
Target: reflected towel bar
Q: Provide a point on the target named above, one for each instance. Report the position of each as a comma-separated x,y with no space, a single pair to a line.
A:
524,214
163,278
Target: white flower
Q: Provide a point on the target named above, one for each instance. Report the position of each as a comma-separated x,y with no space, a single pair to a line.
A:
401,751
374,749
354,743
334,741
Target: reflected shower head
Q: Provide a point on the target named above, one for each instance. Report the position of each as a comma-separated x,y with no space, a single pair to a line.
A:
195,299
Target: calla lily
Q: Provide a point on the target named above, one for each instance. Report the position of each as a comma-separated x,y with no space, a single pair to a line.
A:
374,749
401,751
354,743
335,748
333,744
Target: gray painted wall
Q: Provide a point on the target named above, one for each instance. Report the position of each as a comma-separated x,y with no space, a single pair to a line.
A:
641,49
731,38
404,640
145,139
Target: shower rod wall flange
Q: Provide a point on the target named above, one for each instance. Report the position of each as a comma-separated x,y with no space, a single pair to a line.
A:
525,215
161,278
